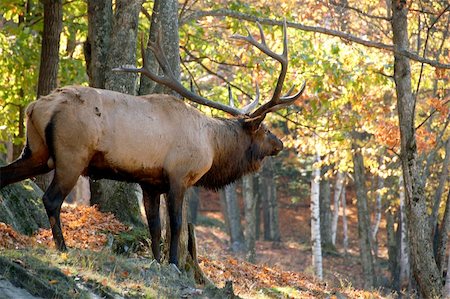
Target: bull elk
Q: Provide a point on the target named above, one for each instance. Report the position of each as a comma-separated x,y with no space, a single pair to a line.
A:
155,140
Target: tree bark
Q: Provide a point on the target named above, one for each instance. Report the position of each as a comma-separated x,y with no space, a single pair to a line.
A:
96,48
112,196
165,19
229,197
425,269
363,218
315,221
48,69
49,66
250,216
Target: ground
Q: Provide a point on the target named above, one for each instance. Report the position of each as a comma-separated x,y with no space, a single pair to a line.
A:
282,270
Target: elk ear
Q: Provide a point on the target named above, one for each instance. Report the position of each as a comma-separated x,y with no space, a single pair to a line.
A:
253,123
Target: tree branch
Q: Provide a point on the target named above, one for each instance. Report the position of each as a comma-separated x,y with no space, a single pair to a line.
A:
347,36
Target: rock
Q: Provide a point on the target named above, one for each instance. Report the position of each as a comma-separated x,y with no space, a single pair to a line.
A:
21,207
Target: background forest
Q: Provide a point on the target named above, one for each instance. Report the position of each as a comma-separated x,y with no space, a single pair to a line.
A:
364,176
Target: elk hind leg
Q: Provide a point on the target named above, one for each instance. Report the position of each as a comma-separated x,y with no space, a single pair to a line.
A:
67,173
151,199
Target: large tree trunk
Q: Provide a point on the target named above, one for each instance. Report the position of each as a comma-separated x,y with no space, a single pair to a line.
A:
96,48
165,19
49,66
315,221
109,195
363,218
425,269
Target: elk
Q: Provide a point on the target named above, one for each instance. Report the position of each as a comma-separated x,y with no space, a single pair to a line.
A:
155,140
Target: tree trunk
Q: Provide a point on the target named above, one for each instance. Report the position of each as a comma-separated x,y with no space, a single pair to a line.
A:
193,199
392,248
440,189
49,66
344,220
336,205
425,269
315,221
377,222
325,212
165,19
96,48
112,196
250,215
233,215
403,252
48,69
270,202
363,218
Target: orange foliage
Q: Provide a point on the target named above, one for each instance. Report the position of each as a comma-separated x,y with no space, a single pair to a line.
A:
84,227
10,239
249,277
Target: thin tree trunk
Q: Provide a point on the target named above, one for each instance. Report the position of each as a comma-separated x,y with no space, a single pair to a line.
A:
336,205
344,220
392,249
443,236
229,197
447,280
315,221
325,212
250,215
270,202
440,189
403,226
424,265
193,199
376,225
363,218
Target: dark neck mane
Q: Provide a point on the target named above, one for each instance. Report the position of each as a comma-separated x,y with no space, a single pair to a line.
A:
235,155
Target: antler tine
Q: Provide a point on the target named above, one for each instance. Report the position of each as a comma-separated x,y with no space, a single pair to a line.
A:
277,101
246,109
169,79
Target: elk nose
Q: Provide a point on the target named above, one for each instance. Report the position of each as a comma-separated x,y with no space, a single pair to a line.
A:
278,147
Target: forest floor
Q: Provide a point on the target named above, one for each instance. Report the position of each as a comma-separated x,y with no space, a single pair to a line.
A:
91,270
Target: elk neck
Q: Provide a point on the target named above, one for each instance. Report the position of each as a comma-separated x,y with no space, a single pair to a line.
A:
235,154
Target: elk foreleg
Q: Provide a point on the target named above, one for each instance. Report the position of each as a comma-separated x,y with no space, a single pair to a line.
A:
175,207
151,199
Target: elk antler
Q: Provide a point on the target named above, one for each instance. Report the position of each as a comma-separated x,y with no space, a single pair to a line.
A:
277,101
169,79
